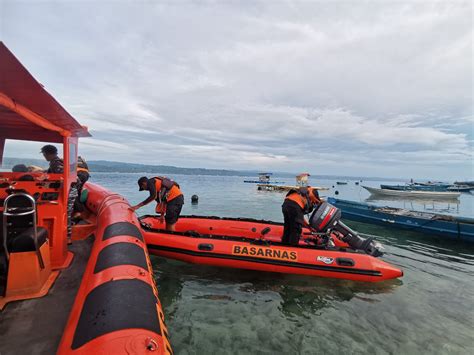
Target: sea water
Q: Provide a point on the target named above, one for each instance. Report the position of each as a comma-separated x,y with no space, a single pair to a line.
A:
212,310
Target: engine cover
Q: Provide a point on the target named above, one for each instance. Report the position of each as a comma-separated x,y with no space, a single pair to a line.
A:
325,217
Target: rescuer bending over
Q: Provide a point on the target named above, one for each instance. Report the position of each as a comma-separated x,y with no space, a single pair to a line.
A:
298,202
169,198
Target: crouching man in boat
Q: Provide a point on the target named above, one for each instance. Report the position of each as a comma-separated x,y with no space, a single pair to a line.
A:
298,202
167,195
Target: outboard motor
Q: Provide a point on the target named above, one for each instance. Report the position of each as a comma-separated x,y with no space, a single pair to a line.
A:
327,218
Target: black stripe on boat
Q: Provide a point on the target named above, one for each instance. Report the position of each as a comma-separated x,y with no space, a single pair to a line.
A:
194,234
240,219
116,305
122,228
120,254
343,270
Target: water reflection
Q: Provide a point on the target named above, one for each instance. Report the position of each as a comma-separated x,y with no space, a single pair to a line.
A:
303,297
295,295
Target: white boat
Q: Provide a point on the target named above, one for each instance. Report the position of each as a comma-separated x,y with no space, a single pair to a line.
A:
413,194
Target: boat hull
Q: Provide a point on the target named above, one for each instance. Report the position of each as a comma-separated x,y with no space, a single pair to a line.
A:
241,248
433,188
413,194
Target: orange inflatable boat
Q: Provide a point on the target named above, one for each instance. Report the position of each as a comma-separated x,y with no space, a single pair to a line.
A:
255,245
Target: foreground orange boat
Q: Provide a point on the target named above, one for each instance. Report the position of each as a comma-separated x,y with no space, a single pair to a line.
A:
256,245
93,295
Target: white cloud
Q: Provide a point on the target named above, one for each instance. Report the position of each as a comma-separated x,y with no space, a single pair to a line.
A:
284,85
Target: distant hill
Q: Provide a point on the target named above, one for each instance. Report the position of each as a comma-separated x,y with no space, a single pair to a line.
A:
8,163
120,167
105,166
112,166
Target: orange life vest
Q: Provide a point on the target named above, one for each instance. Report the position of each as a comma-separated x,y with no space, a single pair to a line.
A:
304,197
171,189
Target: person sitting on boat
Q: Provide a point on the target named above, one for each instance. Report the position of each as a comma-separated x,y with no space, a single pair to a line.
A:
298,202
56,164
167,195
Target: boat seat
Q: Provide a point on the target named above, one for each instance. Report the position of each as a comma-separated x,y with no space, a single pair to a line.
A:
25,241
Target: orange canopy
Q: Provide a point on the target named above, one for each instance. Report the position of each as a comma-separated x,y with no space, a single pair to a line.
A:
27,110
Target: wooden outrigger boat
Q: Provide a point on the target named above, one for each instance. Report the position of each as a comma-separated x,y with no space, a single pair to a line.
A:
459,228
96,295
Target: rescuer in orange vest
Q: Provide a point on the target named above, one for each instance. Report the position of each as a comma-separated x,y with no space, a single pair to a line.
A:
167,195
298,202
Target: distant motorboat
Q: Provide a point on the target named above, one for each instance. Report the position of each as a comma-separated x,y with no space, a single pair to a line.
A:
413,194
341,182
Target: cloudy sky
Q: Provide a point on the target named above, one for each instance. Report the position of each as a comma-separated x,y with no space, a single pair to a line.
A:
374,88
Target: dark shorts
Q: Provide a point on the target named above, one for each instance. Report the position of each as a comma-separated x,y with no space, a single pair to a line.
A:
173,209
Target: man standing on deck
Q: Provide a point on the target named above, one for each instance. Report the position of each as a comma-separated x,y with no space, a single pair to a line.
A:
167,195
56,164
298,202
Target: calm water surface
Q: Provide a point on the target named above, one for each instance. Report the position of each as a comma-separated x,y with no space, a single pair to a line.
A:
211,310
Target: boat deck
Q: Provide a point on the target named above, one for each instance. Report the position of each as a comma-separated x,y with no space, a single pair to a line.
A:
36,326
270,187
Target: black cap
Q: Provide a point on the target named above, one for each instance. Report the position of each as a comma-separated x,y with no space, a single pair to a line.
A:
141,181
49,149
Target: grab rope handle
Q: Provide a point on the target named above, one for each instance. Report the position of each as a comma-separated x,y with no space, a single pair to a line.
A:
151,344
